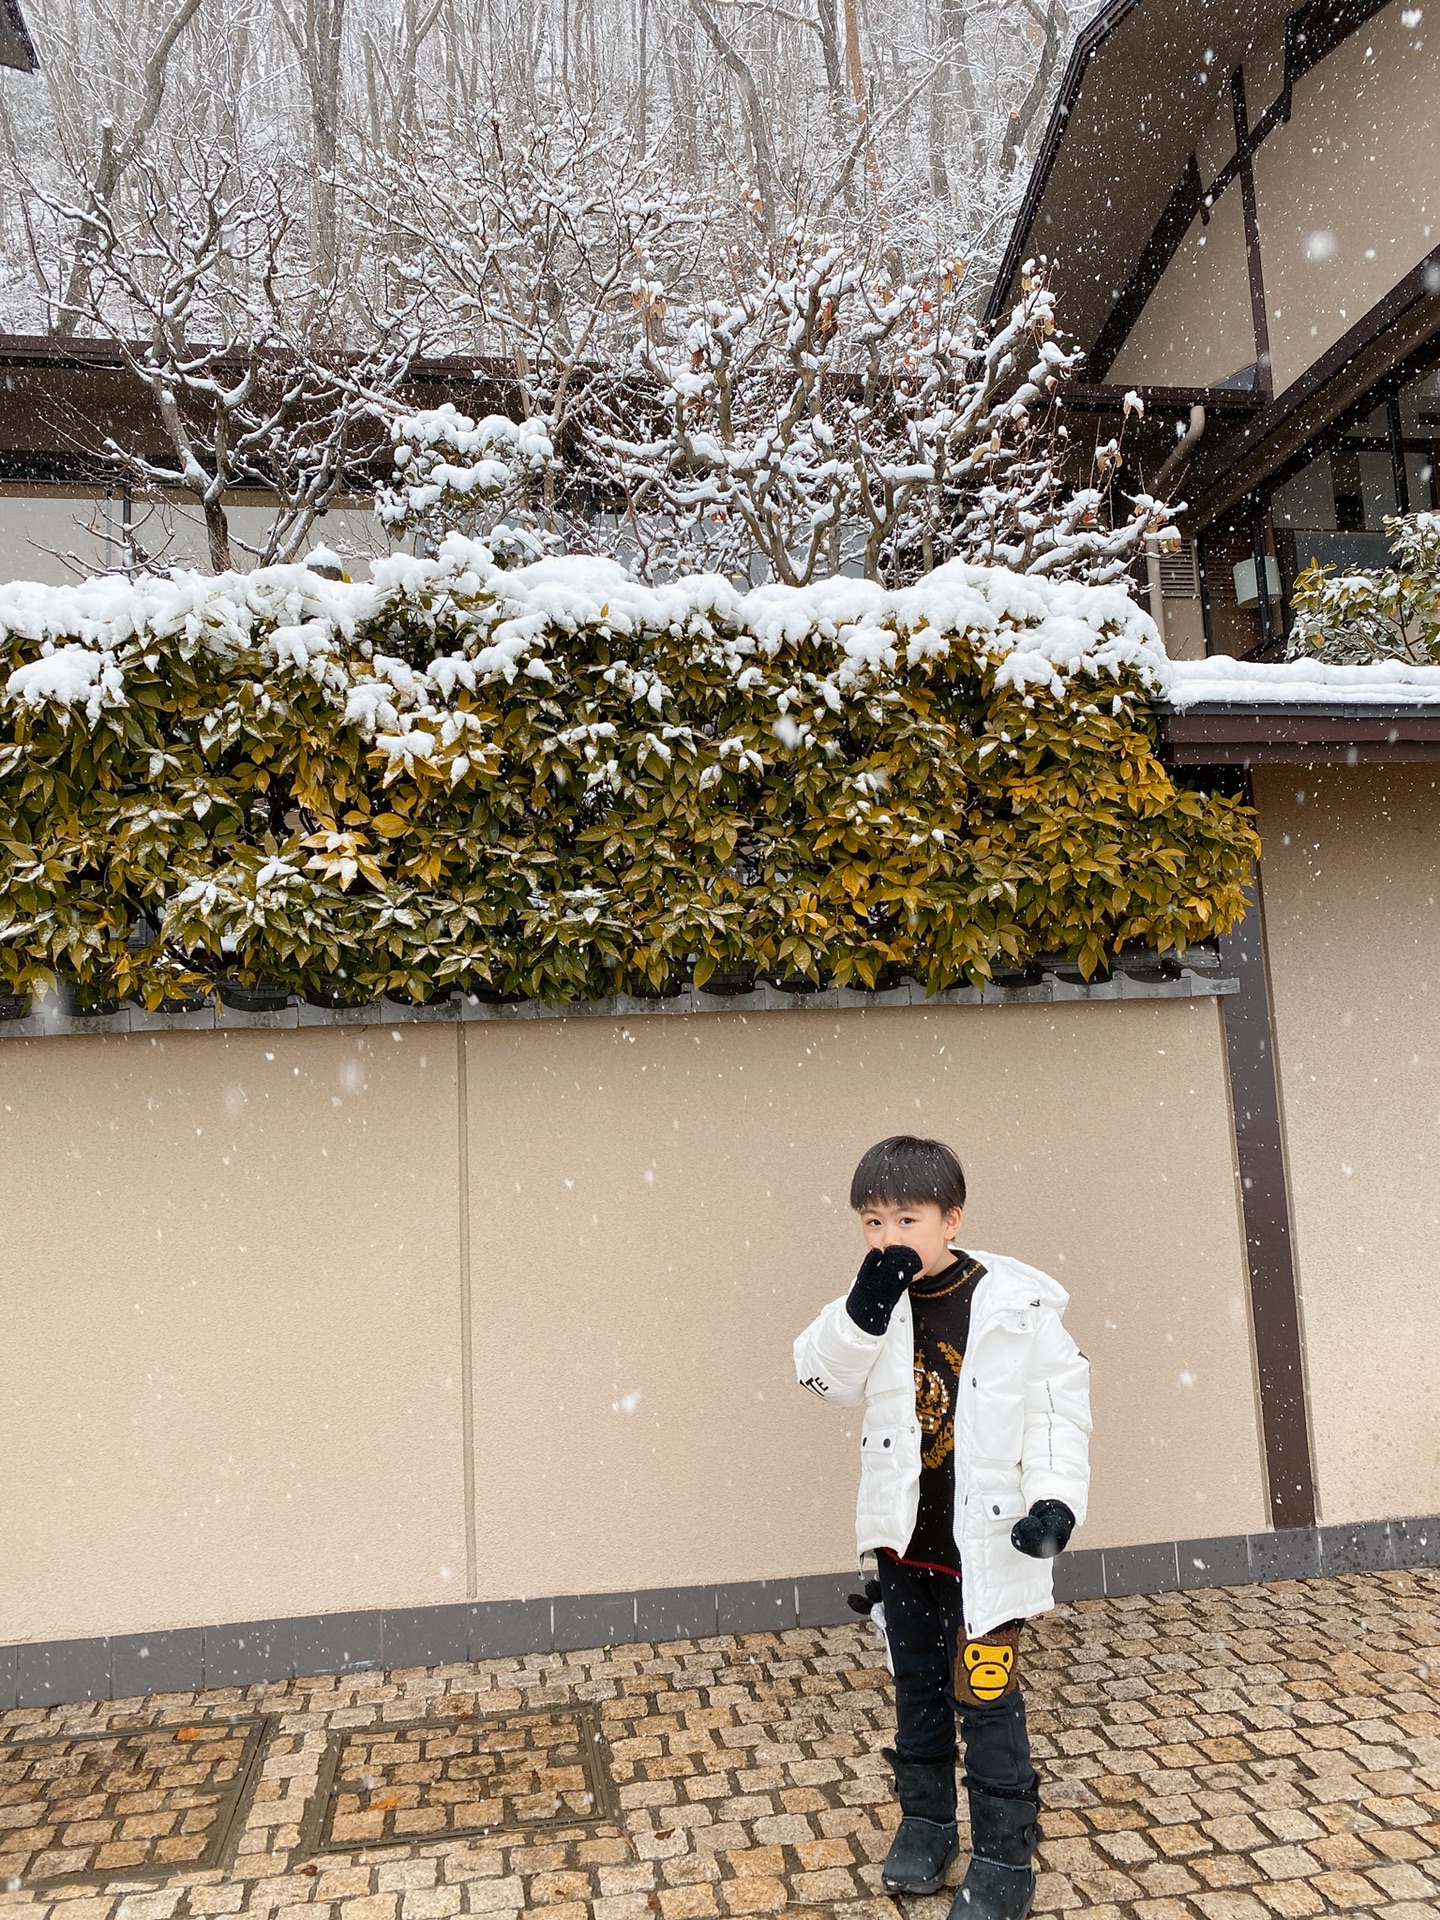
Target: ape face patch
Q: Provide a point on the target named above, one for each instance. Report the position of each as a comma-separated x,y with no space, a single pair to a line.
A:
986,1670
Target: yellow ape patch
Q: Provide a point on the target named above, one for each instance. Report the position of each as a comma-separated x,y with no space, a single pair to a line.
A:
986,1670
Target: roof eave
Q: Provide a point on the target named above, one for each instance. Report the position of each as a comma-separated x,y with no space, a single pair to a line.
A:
1090,39
1247,733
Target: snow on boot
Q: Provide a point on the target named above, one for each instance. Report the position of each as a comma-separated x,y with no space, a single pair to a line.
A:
999,1883
927,1838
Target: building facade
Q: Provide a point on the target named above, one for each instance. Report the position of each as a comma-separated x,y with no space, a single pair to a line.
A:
1243,205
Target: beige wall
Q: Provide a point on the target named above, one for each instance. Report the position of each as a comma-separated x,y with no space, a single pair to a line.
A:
1348,202
1359,164
1352,894
708,1221
1195,329
229,1295
231,1383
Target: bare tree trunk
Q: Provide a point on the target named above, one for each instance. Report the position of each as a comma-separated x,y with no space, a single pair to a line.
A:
1052,21
642,91
316,29
766,173
854,60
834,84
116,156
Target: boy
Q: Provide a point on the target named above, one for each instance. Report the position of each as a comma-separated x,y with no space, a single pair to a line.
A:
973,1473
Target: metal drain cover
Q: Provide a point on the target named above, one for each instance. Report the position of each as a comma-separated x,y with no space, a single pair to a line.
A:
448,1779
82,1807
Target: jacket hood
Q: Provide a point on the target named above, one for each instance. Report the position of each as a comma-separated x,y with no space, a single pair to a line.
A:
1016,1283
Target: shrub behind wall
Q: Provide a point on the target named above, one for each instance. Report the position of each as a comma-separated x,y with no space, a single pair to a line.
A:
555,782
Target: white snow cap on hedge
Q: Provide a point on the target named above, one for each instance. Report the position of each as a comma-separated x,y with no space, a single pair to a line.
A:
1037,631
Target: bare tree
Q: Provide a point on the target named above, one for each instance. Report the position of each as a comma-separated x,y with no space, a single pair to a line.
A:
199,289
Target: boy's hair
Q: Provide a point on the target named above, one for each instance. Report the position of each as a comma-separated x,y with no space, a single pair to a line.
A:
904,1168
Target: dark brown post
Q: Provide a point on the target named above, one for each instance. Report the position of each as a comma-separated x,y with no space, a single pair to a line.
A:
1265,1205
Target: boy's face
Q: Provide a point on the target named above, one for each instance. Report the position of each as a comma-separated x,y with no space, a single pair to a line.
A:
920,1224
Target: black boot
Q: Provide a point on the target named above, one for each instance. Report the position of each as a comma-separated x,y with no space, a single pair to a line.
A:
999,1883
927,1838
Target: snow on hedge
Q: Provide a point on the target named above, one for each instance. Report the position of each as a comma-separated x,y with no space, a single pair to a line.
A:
1037,632
552,780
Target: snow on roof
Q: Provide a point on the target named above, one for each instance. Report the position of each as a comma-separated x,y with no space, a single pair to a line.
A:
1299,683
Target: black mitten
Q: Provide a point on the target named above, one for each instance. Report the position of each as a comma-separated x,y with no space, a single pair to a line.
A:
1045,1530
886,1273
867,1601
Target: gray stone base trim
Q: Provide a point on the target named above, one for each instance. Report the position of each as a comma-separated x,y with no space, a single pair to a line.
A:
185,1659
1198,976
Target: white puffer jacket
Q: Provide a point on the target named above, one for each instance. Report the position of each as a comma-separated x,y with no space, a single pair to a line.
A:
1022,1426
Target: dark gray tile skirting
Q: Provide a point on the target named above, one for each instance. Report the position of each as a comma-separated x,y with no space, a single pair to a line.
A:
179,1660
1200,976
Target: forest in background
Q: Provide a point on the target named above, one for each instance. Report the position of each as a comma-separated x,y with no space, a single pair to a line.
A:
720,260
906,124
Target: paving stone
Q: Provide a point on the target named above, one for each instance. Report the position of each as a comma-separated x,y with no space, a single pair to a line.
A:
1207,1753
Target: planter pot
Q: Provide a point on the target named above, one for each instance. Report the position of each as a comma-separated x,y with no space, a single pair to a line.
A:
641,988
1152,968
796,982
1069,972
489,996
338,996
886,981
440,997
1029,975
87,1002
731,978
13,1006
264,997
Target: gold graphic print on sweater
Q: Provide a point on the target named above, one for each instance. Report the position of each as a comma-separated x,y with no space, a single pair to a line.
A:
935,1403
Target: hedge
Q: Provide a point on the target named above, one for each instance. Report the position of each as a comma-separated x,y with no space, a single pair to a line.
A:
553,782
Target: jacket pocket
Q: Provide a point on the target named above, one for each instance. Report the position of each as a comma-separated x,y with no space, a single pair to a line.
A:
1003,1506
889,1483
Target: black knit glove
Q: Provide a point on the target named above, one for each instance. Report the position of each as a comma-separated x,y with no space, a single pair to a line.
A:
865,1602
1045,1530
885,1275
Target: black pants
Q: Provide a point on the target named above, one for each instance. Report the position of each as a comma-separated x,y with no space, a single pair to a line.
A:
923,1623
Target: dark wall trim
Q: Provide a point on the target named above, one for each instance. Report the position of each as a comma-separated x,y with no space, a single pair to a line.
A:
1099,396
1247,735
253,1652
1265,1209
1245,147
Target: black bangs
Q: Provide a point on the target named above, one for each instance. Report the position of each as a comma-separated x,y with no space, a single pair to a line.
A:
906,1168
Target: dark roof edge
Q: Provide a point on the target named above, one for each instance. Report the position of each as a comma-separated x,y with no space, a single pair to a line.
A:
1089,40
1219,733
13,22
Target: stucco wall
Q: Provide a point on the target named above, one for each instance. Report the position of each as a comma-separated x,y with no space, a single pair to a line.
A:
1348,202
1348,193
1195,329
229,1289
232,1385
1352,882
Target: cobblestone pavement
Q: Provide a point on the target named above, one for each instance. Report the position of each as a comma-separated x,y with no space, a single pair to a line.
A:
1231,1754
